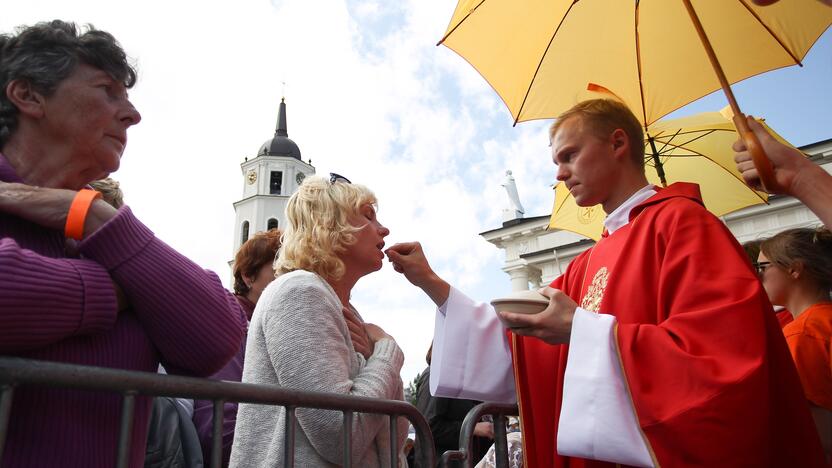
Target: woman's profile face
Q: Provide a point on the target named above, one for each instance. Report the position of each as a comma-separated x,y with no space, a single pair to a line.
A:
366,254
262,278
775,280
88,116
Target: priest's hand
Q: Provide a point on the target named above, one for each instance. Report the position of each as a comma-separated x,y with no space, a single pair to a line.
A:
409,259
553,325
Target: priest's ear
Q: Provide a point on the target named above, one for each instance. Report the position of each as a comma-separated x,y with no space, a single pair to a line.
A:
620,141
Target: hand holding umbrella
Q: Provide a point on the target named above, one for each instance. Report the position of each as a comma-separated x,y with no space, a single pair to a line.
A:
795,175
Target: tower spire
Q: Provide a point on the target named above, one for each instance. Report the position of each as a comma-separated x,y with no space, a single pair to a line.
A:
281,120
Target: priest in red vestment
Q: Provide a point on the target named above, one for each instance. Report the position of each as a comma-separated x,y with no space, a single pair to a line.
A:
658,347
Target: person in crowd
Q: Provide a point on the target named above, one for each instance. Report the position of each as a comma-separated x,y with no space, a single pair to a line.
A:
445,416
794,174
642,328
253,271
305,334
752,250
796,270
80,281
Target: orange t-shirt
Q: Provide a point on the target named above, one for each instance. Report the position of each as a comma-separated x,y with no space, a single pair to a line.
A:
784,317
810,342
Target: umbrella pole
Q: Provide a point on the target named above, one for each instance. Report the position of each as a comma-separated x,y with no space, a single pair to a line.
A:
656,161
758,155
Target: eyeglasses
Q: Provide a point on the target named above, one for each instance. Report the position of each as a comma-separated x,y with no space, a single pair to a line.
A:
333,177
761,267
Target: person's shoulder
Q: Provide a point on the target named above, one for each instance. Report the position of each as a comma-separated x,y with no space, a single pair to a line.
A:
682,211
818,321
679,206
300,280
296,287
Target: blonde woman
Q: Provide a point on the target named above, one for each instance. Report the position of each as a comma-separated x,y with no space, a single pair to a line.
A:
306,335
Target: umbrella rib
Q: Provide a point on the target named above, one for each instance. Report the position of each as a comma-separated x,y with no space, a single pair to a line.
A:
638,64
540,63
460,22
703,134
771,33
667,143
697,153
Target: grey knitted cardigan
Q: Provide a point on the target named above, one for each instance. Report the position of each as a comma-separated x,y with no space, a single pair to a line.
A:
298,338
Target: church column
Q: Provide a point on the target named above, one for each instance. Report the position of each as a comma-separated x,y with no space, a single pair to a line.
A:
519,278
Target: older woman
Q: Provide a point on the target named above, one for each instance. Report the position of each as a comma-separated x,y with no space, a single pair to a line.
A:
253,271
125,300
795,267
305,332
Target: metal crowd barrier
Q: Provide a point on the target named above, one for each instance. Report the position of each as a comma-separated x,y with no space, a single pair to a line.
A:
16,372
466,435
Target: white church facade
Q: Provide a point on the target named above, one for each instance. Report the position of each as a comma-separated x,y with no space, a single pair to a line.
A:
269,179
535,256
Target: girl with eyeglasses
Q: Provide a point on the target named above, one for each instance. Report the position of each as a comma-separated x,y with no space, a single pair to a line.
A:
795,267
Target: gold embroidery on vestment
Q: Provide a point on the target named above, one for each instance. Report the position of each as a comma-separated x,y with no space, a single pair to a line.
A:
595,293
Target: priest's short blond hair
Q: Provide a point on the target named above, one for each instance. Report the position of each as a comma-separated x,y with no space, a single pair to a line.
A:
604,116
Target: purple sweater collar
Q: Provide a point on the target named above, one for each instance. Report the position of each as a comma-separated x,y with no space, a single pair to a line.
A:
7,172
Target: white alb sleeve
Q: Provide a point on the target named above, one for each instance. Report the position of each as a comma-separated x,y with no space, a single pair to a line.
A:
597,419
471,356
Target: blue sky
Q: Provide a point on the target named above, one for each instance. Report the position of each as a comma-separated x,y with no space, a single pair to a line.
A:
369,96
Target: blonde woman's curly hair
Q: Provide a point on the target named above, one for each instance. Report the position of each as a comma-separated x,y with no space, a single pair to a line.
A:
318,227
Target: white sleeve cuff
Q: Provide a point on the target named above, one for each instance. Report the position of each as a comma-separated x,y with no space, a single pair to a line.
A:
598,420
471,356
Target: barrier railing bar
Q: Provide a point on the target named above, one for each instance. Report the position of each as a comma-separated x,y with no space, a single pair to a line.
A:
216,430
125,432
289,438
500,442
347,439
15,370
394,436
466,434
6,392
453,455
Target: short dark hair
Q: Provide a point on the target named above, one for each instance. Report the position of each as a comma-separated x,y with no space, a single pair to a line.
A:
604,116
253,254
47,53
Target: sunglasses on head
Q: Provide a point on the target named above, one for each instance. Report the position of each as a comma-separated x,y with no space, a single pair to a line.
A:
333,177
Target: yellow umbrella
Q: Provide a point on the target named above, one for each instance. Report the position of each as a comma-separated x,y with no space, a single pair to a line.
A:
690,149
541,55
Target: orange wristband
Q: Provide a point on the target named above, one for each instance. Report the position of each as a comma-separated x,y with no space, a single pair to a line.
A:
77,214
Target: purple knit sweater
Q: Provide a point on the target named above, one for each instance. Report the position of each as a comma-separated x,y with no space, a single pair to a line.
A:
204,410
63,309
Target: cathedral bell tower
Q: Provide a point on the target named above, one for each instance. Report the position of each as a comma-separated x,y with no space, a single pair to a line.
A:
269,179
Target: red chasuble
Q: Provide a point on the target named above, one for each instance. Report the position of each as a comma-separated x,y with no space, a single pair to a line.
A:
705,361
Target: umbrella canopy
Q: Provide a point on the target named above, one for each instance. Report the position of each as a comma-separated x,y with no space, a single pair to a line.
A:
540,55
690,149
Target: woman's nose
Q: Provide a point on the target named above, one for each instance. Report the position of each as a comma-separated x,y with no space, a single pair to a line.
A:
130,115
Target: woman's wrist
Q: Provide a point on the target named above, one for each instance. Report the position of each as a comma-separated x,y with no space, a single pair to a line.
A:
100,212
